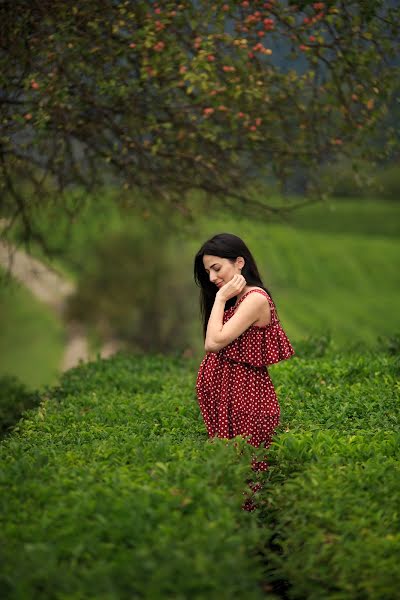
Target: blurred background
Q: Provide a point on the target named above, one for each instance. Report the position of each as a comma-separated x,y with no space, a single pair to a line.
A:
131,137
332,268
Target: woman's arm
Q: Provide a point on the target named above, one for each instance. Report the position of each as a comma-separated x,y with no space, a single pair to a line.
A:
218,335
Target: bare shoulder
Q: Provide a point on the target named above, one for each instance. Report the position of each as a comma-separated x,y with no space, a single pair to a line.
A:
254,300
260,298
258,305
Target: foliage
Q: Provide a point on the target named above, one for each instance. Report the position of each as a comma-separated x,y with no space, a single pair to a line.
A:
167,98
32,338
116,493
390,343
347,180
111,488
342,515
15,399
144,302
314,345
332,497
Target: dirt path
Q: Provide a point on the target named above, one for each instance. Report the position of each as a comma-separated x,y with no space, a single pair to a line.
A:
44,283
53,290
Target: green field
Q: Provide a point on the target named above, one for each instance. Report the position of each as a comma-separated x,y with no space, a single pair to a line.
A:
371,217
339,282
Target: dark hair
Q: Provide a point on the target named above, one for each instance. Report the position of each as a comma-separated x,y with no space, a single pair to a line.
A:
224,245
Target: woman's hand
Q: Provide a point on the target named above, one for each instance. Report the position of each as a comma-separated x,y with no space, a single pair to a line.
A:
232,288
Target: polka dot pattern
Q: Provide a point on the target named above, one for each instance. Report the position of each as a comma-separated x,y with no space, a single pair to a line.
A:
259,346
235,392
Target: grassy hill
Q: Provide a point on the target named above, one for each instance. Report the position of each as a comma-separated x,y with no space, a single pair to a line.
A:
323,280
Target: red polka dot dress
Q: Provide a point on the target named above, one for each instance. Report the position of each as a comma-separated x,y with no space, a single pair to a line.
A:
235,392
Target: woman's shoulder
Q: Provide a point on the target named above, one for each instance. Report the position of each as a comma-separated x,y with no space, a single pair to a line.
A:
255,289
258,289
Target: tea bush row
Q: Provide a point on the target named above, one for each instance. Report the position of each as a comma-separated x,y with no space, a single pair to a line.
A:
331,502
15,399
110,489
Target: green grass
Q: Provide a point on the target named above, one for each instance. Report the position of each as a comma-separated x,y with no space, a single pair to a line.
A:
31,340
371,217
338,282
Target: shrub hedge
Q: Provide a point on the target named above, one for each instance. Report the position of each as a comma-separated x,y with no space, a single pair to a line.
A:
15,399
341,179
111,488
331,503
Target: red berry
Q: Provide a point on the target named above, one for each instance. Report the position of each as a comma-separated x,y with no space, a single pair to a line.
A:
208,111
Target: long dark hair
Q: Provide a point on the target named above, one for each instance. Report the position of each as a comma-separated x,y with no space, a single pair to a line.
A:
224,245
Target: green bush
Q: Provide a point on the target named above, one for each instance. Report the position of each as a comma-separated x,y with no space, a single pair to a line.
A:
389,344
336,515
111,490
314,345
125,286
331,502
343,180
388,180
15,399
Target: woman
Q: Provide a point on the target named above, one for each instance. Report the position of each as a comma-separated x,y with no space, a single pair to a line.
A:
242,335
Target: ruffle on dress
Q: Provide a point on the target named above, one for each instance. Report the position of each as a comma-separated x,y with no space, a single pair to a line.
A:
259,346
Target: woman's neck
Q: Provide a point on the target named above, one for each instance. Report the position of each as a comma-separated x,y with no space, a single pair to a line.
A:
243,292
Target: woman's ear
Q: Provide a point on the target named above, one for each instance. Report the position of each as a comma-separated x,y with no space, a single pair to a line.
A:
240,262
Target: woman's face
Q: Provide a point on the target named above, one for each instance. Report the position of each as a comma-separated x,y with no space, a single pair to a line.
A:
221,270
